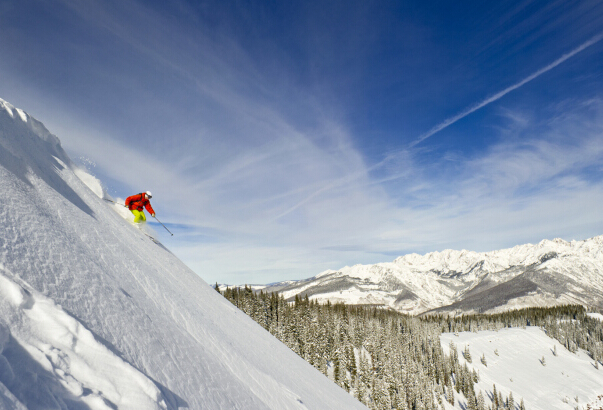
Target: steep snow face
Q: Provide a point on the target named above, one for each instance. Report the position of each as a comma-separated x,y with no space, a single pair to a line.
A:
548,273
95,315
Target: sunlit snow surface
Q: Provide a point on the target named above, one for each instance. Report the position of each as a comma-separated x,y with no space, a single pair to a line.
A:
596,316
518,368
95,315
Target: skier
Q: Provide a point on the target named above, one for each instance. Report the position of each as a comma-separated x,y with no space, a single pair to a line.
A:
135,203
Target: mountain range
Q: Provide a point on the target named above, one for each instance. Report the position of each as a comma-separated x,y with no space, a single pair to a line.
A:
549,273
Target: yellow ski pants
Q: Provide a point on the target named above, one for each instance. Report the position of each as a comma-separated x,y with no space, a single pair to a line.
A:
139,216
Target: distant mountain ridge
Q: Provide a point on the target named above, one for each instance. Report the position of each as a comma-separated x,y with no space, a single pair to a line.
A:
549,273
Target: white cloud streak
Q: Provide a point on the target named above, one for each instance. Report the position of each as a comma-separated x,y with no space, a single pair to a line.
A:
448,122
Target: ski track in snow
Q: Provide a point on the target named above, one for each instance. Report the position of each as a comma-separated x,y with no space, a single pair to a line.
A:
105,318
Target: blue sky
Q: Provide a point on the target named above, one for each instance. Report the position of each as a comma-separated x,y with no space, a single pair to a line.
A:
281,139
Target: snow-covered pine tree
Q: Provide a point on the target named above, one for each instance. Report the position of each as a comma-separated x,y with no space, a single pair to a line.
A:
481,403
467,354
522,406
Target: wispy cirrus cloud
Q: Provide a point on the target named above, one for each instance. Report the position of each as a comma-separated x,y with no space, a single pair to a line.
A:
265,144
448,122
542,178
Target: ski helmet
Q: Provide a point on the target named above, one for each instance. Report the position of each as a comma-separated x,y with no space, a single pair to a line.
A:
149,195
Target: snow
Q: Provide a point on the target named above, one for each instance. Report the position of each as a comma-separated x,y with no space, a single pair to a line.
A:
91,182
94,315
517,368
527,254
552,272
596,316
75,358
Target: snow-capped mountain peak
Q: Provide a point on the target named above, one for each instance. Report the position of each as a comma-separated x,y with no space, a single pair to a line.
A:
547,273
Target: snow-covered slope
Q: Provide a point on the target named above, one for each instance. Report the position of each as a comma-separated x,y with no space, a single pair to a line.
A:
532,366
548,273
95,315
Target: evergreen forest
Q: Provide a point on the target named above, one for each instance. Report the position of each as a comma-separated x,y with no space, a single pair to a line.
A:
389,360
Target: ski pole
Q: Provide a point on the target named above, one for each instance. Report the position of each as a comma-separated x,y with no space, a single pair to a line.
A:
108,200
163,225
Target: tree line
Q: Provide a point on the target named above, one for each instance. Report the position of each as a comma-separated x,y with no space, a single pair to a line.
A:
389,360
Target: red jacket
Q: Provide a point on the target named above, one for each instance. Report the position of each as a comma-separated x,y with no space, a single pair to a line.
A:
138,201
